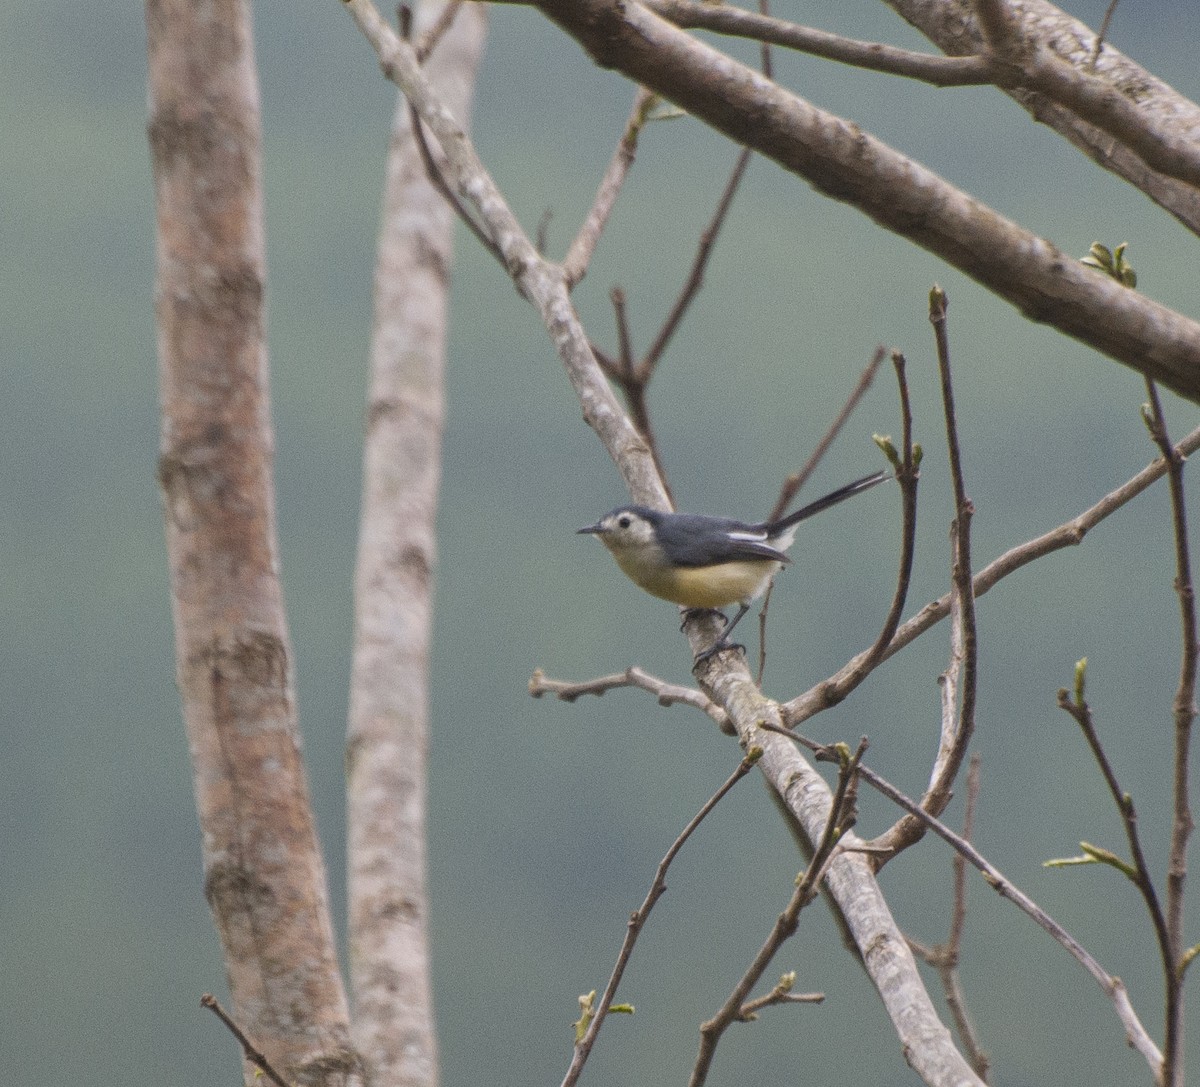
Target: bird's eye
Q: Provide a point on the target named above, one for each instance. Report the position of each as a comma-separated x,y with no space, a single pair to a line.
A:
624,522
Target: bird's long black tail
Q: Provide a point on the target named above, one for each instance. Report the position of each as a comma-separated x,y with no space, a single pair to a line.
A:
831,499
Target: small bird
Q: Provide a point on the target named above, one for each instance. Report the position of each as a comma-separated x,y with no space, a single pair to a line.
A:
708,562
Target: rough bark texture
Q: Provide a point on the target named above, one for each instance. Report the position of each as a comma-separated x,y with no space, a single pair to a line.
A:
388,732
264,877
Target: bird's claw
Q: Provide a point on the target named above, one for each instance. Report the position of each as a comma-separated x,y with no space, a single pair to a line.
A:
718,646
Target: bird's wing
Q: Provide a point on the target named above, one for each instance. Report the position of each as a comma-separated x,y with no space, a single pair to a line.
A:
710,541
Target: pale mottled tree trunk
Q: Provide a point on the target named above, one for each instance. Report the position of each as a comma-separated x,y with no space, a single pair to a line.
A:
389,703
264,876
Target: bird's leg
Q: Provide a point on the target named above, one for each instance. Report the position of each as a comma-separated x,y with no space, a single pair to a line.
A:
696,613
723,641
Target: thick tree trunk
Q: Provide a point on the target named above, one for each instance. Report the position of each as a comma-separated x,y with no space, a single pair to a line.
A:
264,876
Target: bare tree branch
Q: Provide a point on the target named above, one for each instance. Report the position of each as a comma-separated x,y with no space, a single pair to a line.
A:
250,1051
905,462
874,56
667,694
695,277
1162,111
847,164
959,681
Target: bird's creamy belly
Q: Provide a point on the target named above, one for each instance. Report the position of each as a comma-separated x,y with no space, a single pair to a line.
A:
704,587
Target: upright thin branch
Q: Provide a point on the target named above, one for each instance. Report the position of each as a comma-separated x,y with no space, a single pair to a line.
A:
1139,873
264,877
906,463
958,723
1185,695
1184,708
958,682
1101,34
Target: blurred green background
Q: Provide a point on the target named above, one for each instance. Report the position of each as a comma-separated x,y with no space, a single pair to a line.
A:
547,819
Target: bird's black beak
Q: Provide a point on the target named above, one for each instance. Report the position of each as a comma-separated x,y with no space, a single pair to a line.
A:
594,530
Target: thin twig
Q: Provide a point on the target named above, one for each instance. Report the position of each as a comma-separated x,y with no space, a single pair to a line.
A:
781,994
427,42
793,483
762,636
667,694
1184,706
632,380
768,68
905,463
1081,712
958,681
542,234
579,254
957,727
637,920
840,821
251,1052
623,370
695,279
1112,986
1102,34
438,181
